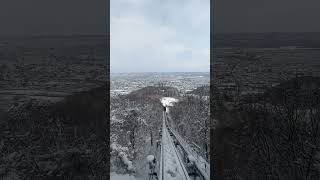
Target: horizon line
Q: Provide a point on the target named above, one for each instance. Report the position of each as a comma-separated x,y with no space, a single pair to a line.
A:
163,72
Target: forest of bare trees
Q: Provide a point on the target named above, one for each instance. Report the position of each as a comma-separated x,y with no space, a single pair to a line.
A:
191,118
276,136
135,120
67,139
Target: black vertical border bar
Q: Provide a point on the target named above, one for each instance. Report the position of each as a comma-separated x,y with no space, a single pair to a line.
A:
108,84
217,154
211,92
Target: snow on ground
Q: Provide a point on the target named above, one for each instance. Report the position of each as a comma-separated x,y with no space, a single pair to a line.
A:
122,153
114,120
168,101
126,161
141,163
117,147
150,158
191,158
114,176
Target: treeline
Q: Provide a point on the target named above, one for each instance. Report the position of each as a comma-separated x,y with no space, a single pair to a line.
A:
135,121
191,118
277,136
62,140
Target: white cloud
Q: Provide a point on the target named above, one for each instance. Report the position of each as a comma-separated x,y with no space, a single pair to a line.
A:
159,37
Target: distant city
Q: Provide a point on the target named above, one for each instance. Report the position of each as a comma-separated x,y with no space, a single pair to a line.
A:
123,83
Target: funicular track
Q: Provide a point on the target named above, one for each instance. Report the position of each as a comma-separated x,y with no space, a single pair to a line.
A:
171,164
202,168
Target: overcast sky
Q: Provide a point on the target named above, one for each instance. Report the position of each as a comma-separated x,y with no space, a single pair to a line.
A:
266,15
160,35
53,17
